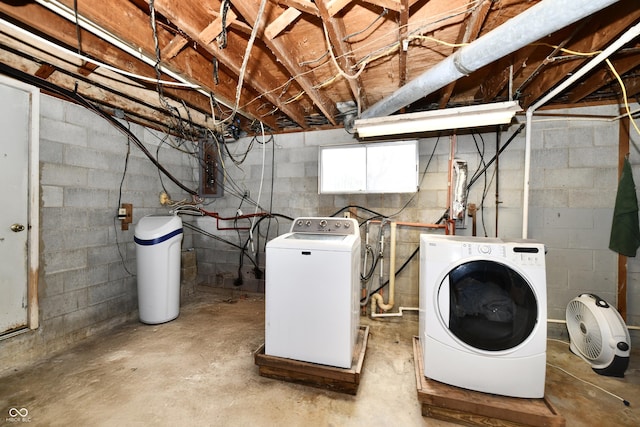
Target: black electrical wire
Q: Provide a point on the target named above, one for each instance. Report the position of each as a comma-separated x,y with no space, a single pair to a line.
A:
424,173
477,174
485,190
77,24
79,99
376,260
273,151
228,184
244,252
483,166
138,143
244,156
398,271
242,196
349,36
115,218
368,275
475,177
377,214
442,218
213,236
173,111
222,38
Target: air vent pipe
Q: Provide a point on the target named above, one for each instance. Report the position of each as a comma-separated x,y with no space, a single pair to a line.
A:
531,25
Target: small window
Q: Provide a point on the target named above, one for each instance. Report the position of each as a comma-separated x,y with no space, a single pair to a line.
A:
390,167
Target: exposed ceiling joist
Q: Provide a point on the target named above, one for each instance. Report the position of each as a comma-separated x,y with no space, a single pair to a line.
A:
291,82
591,39
193,25
340,52
279,46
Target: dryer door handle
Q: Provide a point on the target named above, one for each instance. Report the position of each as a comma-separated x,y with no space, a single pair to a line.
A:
443,300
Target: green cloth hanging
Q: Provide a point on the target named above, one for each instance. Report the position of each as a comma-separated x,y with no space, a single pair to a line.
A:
625,230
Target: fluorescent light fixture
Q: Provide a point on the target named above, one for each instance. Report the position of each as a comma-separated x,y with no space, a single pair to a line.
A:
449,118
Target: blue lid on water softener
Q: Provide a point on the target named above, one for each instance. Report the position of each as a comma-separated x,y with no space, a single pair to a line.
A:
154,229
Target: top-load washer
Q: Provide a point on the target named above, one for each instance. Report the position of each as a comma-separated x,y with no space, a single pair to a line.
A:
483,311
312,287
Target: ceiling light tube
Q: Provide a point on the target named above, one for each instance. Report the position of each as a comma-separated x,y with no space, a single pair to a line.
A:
449,118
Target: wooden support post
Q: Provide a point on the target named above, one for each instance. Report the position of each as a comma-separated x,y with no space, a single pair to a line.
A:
623,150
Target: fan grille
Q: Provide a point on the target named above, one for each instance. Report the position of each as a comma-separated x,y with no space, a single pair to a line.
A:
584,330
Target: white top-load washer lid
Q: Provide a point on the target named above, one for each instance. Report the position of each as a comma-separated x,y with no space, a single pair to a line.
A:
156,228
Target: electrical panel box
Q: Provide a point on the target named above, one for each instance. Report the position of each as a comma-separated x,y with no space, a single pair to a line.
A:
211,173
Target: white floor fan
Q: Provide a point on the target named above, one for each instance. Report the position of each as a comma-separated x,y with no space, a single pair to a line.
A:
598,335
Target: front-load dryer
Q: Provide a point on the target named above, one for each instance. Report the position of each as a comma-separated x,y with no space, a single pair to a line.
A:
483,311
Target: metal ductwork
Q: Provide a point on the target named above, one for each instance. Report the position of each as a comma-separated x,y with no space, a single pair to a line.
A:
540,20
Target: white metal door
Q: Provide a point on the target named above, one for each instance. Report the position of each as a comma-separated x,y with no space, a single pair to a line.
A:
16,123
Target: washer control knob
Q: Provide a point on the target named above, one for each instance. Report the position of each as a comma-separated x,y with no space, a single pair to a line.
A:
323,223
484,249
308,223
347,224
299,223
338,224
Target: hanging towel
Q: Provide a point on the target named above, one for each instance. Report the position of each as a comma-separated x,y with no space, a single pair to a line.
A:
625,230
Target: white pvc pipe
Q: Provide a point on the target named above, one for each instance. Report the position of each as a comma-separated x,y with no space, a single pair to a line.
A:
376,299
398,314
527,173
392,266
628,36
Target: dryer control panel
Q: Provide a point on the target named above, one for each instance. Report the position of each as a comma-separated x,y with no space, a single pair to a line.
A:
532,254
325,225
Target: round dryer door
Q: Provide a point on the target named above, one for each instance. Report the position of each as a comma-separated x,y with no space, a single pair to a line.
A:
490,306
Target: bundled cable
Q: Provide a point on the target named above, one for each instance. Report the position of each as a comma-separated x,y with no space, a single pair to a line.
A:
74,96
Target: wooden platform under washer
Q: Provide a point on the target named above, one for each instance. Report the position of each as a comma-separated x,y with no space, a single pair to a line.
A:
472,408
328,377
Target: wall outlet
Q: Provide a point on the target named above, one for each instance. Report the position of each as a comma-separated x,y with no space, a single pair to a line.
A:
346,214
128,215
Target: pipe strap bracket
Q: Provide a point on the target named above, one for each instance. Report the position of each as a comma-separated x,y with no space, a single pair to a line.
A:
457,62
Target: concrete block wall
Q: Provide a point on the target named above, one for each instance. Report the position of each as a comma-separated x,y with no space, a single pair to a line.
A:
573,188
633,264
572,193
87,276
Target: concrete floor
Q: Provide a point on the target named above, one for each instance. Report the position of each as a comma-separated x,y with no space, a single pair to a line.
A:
199,370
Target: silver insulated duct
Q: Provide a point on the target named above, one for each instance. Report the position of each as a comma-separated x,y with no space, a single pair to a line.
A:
536,22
